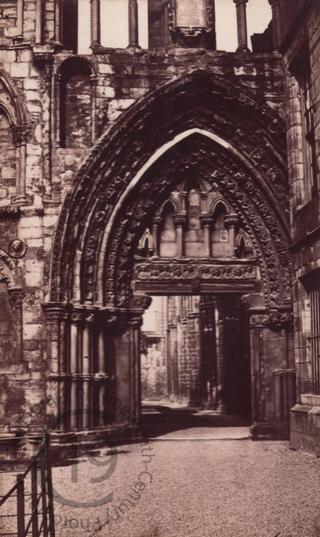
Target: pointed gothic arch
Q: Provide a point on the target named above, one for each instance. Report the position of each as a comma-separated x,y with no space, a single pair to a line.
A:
197,124
12,108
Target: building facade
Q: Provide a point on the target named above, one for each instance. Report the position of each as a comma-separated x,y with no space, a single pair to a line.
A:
132,172
301,52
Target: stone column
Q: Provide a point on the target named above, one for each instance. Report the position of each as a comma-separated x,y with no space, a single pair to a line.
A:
39,22
206,222
276,23
74,370
20,10
139,303
133,24
20,135
180,221
86,358
219,328
54,314
231,221
101,375
57,21
155,235
242,25
134,327
95,23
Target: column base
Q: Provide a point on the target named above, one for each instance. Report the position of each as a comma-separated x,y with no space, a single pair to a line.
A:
19,200
267,430
244,49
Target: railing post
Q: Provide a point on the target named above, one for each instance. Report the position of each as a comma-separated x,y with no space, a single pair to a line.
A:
34,498
20,505
42,462
50,487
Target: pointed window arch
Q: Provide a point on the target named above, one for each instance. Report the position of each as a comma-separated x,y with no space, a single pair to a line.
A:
76,119
168,236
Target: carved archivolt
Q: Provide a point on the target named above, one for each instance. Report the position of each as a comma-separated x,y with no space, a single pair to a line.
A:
113,202
7,270
11,106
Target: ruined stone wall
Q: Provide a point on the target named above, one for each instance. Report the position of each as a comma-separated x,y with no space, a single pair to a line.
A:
35,159
304,202
301,49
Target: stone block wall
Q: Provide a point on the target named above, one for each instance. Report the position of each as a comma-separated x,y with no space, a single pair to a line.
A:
303,34
44,170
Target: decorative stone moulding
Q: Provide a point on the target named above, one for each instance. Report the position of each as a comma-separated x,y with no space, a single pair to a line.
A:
174,271
17,248
192,24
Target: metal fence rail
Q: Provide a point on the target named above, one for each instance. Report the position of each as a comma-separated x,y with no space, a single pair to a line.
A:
27,509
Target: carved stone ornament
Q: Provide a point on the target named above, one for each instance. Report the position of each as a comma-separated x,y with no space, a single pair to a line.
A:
192,271
17,248
7,270
275,320
192,27
140,301
106,263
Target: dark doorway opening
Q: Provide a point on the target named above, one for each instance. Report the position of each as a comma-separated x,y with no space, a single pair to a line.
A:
195,362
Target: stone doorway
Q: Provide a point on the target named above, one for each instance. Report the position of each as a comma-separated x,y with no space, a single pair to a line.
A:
195,353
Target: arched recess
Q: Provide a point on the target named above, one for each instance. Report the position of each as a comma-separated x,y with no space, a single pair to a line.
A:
196,125
76,103
12,367
14,129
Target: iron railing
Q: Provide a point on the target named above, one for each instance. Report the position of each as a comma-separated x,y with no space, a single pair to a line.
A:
27,509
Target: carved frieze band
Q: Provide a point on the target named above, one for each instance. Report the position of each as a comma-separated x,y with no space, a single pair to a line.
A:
193,271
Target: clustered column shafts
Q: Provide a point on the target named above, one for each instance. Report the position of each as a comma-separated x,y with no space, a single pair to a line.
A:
74,346
101,376
276,23
242,25
95,23
86,364
133,24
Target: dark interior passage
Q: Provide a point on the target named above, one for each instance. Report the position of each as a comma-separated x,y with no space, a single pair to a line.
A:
195,354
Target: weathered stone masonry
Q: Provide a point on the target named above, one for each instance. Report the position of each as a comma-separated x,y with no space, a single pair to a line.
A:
85,137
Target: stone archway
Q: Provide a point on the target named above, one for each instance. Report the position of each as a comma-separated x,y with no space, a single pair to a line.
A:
196,124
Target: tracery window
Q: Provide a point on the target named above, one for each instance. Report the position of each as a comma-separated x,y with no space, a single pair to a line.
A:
302,71
315,338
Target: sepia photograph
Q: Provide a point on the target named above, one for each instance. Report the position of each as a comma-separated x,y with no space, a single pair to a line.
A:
160,268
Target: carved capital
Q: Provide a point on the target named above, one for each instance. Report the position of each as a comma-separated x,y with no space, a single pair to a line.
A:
180,219
274,320
135,321
140,301
54,311
231,220
16,296
206,220
20,133
157,220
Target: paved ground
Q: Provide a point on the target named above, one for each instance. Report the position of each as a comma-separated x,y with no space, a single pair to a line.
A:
190,487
